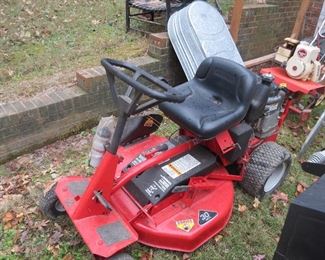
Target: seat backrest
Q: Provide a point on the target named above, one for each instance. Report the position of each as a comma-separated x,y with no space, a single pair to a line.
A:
227,78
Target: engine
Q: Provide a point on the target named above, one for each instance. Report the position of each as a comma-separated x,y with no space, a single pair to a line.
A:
267,123
303,64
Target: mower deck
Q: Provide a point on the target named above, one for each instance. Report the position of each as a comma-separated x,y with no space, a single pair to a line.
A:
183,221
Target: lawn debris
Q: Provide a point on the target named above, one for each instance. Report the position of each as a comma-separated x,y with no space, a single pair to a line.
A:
256,203
147,255
259,257
218,238
11,219
242,208
280,196
300,188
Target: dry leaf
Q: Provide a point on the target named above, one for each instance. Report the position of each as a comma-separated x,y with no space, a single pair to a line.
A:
299,189
9,216
68,257
259,257
55,238
95,22
17,249
53,249
218,238
242,208
20,215
280,196
256,203
147,256
29,11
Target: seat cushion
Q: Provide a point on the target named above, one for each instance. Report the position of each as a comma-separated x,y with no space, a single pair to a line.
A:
220,95
203,114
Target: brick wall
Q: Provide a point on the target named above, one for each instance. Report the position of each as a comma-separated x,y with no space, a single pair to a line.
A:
264,26
312,17
160,48
29,124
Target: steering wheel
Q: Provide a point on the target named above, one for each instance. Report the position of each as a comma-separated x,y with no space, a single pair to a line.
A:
113,68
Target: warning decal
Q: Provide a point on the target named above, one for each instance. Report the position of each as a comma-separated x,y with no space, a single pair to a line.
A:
185,225
180,166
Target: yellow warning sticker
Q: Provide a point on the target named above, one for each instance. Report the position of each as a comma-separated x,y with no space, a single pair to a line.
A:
185,224
180,166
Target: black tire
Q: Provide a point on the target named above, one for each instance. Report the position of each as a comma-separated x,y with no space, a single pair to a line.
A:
50,204
266,170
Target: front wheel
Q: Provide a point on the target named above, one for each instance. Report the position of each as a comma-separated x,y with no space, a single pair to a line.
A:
50,204
266,170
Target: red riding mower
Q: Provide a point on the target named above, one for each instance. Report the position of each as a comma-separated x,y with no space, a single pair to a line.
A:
177,193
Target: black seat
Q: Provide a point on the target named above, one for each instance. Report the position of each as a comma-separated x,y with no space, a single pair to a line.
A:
219,97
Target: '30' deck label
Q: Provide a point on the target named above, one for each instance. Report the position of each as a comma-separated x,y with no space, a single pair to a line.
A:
205,216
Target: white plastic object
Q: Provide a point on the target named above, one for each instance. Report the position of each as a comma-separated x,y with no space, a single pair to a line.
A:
102,137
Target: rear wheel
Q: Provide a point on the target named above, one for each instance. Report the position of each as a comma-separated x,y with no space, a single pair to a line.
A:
266,170
50,204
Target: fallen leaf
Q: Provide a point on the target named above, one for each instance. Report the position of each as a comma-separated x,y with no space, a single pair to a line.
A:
9,216
301,187
17,249
23,236
20,215
55,238
147,256
29,11
259,257
68,257
53,249
10,72
256,203
280,196
242,208
95,22
186,257
218,238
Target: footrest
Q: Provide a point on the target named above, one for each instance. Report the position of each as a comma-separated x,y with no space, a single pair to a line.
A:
104,234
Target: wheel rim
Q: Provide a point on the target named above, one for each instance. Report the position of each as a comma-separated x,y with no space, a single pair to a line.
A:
274,179
58,206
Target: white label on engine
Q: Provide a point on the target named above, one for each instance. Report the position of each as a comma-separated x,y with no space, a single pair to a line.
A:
273,107
180,166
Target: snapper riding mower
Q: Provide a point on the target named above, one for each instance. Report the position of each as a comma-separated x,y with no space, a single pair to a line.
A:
176,193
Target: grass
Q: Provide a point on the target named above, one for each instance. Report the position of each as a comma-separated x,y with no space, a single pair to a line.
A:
30,235
40,38
43,43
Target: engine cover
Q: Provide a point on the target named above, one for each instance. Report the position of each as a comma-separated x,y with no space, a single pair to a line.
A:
303,64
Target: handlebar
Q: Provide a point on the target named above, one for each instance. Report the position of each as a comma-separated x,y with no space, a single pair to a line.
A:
112,68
